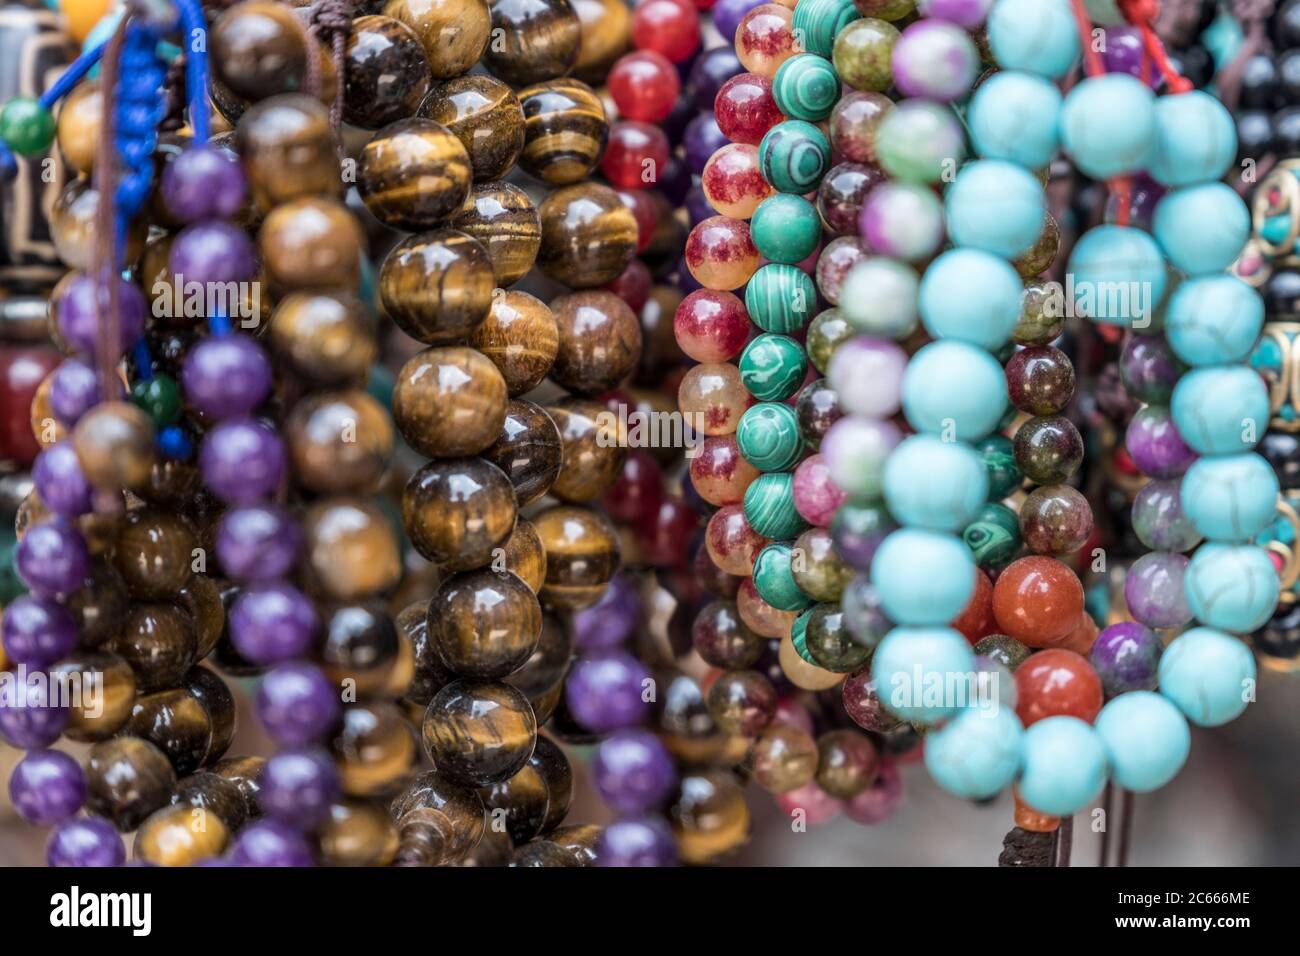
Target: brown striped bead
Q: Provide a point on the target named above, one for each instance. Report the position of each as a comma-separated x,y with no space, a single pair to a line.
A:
458,511
159,643
528,450
504,219
153,553
373,748
454,32
259,49
326,338
485,115
351,549
312,243
564,131
525,555
606,29
99,719
582,554
288,150
479,733
588,236
357,833
339,441
544,672
484,623
534,40
520,338
414,174
595,448
449,402
386,72
437,286
600,341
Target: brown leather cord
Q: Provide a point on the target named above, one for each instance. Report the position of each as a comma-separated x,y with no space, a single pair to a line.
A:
104,259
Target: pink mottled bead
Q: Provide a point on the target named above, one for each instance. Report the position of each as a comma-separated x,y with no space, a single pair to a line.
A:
818,805
815,496
879,801
935,60
834,263
867,375
792,713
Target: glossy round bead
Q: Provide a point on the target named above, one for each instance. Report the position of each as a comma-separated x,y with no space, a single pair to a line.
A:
994,537
634,154
774,579
732,544
520,338
780,297
85,841
1221,410
765,38
1055,519
1125,657
564,131
913,666
806,87
1118,257
723,639
1040,380
867,376
1155,445
1048,450
532,40
1146,738
505,222
903,220
644,86
484,624
1064,765
454,35
414,174
458,511
339,441
879,297
60,482
594,446
1159,519
604,692
934,484
1229,497
995,206
768,437
772,367
720,473
793,156
769,507
975,755
935,60
76,310
1179,227
588,235
437,286
1231,587
669,27
732,181
26,126
711,326
1208,675
479,733
827,331
855,450
599,341
819,22
351,550
952,388
971,295
1038,601
582,554
633,771
1055,683
918,141
1196,140
296,704
853,123
1088,120
1015,116
1213,320
785,229
528,450
785,758
310,243
1041,38
714,398
862,53
52,558
745,108
923,577
1000,465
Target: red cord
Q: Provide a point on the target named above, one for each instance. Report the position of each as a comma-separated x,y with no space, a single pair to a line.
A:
1092,63
1142,13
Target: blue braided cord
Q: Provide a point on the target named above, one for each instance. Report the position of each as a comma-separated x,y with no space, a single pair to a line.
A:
8,162
138,110
72,75
174,443
219,324
143,359
193,24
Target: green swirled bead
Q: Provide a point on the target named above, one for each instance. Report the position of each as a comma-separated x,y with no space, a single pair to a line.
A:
806,87
772,367
768,436
825,333
786,229
999,457
994,536
769,506
774,578
780,298
794,156
818,21
799,637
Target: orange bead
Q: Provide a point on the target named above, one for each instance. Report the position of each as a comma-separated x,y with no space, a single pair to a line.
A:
80,16
1038,601
1057,683
1082,637
976,619
1027,818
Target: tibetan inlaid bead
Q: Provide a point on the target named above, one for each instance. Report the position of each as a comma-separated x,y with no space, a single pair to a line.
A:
326,338
520,338
505,221
288,150
525,555
485,115
588,236
159,642
769,507
564,131
101,718
532,40
386,73
351,550
454,32
479,733
780,298
774,579
595,447
582,554
994,536
153,553
373,748
817,22
600,341
311,243
769,437
414,174
484,624
449,402
458,511
361,645
528,450
126,780
339,441
794,156
181,836
806,87
437,286
772,367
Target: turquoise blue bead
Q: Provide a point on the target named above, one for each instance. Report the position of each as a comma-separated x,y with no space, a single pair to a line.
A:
780,298
1016,116
971,296
787,229
916,668
1222,409
1039,36
1232,587
816,22
1064,765
1202,229
772,367
1209,675
793,156
806,87
996,206
976,754
1147,740
1196,140
1230,497
768,436
1108,125
769,506
1120,276
1213,320
954,390
923,577
774,579
934,484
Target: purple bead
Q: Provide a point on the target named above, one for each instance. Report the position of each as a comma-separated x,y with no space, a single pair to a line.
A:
73,391
1159,520
212,251
611,620
712,69
47,786
298,786
1122,52
1126,656
226,375
270,623
965,13
270,843
52,558
60,482
1144,195
38,631
1149,369
880,800
242,460
604,691
258,542
28,719
675,180
727,15
1154,592
203,183
703,138
633,771
935,60
858,532
80,312
697,205
88,841
296,704
1154,444
645,842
